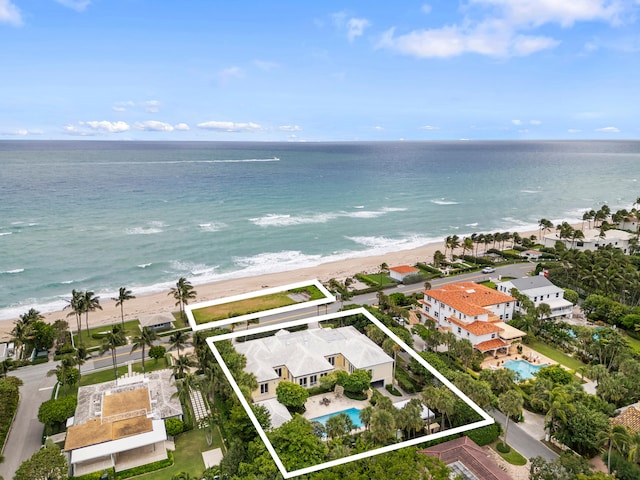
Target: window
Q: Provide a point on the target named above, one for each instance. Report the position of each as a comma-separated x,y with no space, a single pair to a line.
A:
313,380
435,314
441,305
264,388
493,335
459,330
351,368
467,334
500,317
557,294
508,304
507,315
332,360
303,382
279,371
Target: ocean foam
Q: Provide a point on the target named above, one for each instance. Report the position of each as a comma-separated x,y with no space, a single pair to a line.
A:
442,201
211,227
2,234
284,220
15,270
143,231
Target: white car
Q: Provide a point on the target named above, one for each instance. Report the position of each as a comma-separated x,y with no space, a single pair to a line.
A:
488,270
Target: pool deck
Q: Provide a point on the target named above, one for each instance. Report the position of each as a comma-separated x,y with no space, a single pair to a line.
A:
314,407
527,354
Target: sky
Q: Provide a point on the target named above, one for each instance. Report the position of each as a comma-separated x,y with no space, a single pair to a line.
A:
319,71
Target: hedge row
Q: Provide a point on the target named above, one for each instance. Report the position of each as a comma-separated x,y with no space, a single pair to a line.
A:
149,467
8,405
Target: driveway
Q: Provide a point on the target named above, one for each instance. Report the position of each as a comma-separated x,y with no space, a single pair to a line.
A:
25,436
526,436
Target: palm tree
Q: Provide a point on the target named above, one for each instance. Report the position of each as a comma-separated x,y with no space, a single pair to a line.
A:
383,270
145,339
614,437
181,364
62,370
382,425
123,296
91,303
179,339
76,304
510,403
545,225
183,292
112,340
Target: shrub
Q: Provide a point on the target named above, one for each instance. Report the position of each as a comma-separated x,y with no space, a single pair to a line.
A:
174,426
503,447
149,467
392,390
485,435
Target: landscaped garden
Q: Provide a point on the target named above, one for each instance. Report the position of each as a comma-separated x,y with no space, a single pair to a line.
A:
94,336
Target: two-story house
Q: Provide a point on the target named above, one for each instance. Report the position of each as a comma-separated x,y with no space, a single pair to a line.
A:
473,312
539,290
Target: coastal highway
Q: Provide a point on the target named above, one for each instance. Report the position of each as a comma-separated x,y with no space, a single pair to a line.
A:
515,271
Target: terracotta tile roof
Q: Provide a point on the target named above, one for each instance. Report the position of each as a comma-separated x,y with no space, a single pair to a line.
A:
467,452
468,297
490,345
630,419
477,327
403,269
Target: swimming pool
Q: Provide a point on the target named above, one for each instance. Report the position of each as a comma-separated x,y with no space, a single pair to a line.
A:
524,369
353,413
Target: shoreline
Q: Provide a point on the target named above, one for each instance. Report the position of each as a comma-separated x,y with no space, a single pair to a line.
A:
162,302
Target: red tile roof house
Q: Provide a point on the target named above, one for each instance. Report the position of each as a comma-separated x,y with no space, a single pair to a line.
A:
473,312
464,457
400,272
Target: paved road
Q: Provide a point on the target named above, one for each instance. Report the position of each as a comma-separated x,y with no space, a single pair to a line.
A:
26,433
525,438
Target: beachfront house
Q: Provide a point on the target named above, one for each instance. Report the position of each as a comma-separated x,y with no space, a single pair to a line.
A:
157,321
474,312
539,290
305,356
631,224
121,425
532,255
401,272
593,240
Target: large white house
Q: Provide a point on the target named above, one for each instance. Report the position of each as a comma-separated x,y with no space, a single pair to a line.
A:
473,312
305,356
540,290
593,240
121,424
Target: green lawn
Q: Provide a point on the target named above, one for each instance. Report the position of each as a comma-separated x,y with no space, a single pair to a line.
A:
513,457
187,457
131,329
252,305
556,355
634,343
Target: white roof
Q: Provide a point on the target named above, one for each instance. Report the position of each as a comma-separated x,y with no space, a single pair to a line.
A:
508,332
278,412
156,319
304,353
426,413
93,452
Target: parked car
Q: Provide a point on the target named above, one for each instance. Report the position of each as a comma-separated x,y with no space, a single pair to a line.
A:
488,270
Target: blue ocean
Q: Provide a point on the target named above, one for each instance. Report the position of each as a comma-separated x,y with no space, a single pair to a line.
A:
100,215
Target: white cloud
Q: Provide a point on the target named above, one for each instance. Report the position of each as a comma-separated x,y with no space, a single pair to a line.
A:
230,73
608,130
516,122
149,106
562,12
356,27
429,128
586,115
107,126
73,130
230,126
182,127
9,13
265,65
290,128
491,38
353,27
426,8
574,130
77,5
154,126
535,122
378,128
523,130
21,132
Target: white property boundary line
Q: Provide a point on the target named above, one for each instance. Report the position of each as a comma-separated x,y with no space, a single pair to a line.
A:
329,298
486,418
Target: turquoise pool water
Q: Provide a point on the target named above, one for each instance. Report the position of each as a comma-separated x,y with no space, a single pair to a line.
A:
354,415
524,369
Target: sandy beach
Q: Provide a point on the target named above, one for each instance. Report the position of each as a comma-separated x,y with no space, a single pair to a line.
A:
162,302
